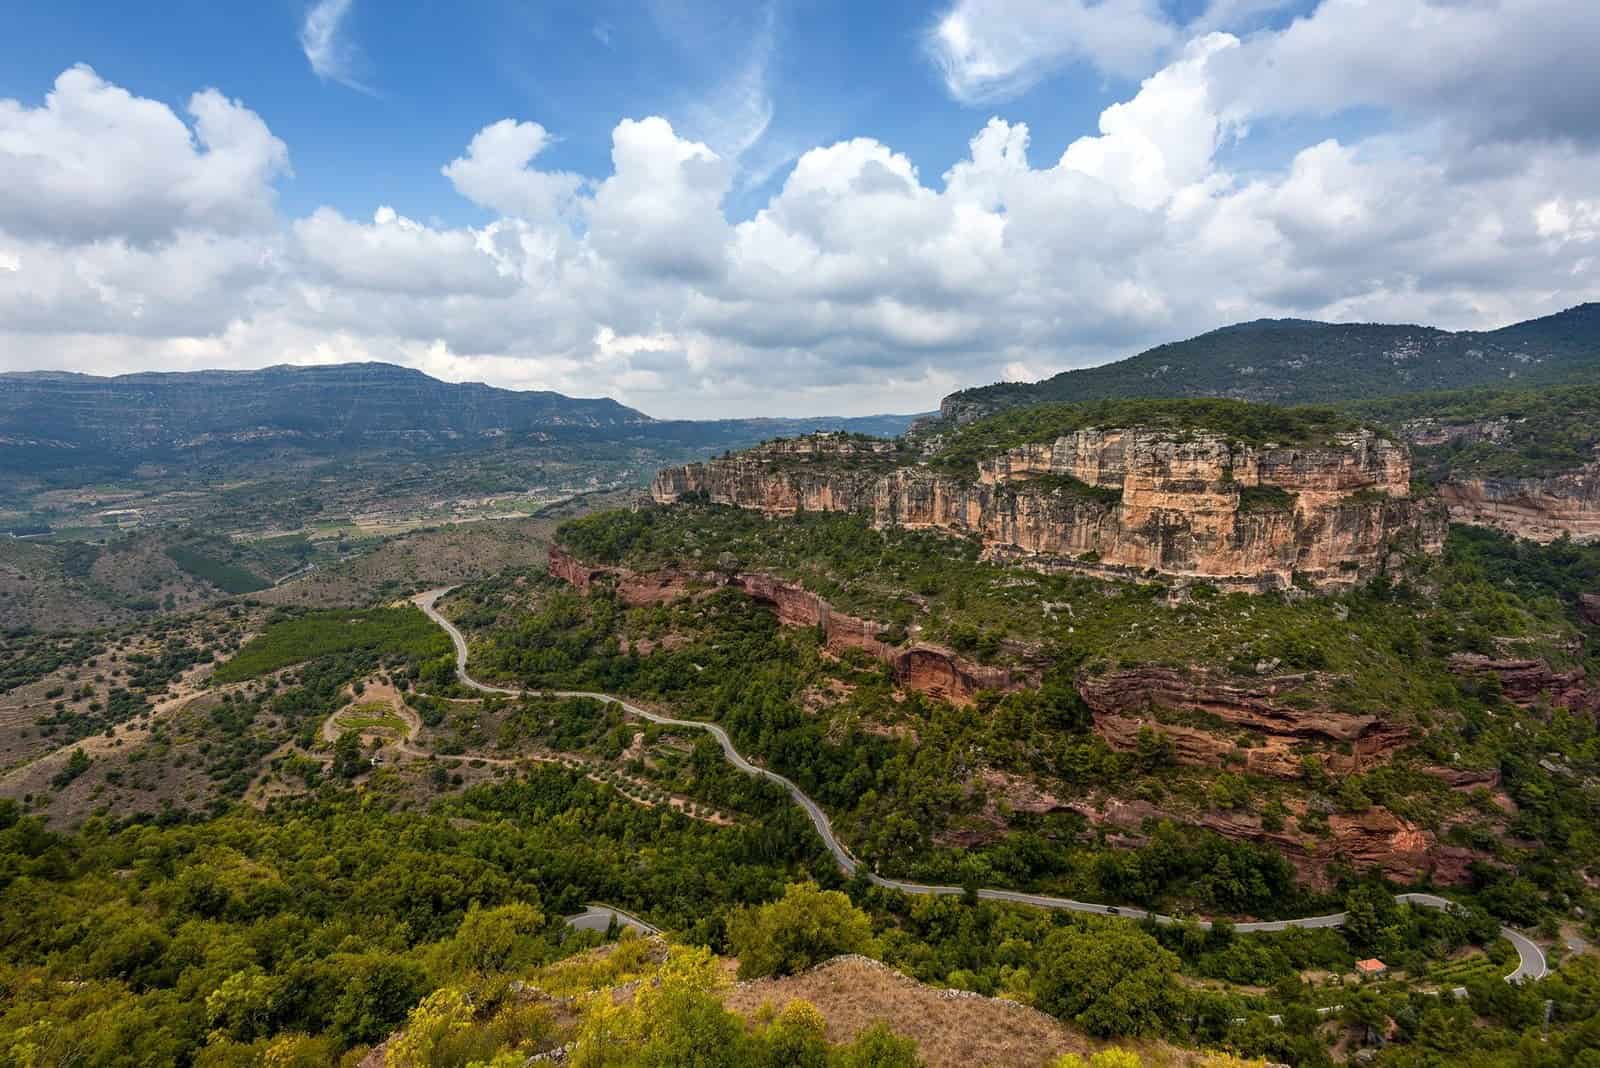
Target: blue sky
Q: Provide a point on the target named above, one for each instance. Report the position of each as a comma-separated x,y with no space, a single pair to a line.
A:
438,72
791,207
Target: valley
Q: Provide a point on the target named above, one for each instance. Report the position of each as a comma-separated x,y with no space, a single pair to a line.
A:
1281,722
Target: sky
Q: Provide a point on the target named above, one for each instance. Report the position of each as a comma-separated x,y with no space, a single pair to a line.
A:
777,207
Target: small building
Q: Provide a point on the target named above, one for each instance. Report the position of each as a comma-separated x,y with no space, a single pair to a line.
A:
1372,968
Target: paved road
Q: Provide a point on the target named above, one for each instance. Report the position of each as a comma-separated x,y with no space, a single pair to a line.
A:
600,917
1531,965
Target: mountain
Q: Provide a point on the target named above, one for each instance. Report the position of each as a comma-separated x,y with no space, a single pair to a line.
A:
343,403
1298,361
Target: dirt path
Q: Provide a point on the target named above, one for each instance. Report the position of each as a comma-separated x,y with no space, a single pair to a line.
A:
406,745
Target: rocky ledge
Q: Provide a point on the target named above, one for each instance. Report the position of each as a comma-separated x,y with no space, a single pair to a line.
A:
921,666
1529,682
1277,735
1131,503
1540,509
1375,840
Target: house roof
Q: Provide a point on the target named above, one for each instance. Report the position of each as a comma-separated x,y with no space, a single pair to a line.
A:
1371,964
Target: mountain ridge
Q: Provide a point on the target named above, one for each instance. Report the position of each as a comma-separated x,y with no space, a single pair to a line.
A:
1299,361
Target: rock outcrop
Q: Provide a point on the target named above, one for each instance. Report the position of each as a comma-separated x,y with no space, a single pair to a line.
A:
1539,509
921,666
1376,839
1527,682
1280,734
1133,502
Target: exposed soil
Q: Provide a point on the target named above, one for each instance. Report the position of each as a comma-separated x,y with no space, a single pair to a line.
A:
952,1029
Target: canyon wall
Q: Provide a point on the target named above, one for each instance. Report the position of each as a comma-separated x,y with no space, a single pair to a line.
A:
921,666
1120,503
1540,509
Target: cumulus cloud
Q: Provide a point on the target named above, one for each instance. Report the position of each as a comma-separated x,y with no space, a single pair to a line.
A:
1519,70
97,162
132,236
495,172
660,212
394,254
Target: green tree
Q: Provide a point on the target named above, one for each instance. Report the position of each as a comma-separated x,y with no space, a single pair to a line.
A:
802,928
497,940
1110,980
347,759
878,1047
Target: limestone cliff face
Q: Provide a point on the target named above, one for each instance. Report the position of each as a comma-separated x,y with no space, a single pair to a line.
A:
1116,501
1541,509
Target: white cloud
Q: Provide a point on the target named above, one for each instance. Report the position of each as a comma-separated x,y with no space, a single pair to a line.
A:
97,162
495,172
660,212
1163,139
332,58
992,49
394,254
133,237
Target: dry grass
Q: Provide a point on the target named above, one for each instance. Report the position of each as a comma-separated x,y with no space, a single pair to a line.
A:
952,1029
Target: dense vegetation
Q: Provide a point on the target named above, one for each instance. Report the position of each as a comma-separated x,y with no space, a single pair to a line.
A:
1252,424
936,585
227,577
1501,433
319,927
896,773
331,918
369,635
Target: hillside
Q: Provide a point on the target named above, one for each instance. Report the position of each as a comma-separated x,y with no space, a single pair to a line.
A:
363,449
1525,461
1297,361
349,403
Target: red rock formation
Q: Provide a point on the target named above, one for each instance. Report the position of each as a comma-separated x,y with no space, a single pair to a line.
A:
924,667
1466,778
1138,500
1122,702
574,572
1589,606
1526,682
1376,839
1255,703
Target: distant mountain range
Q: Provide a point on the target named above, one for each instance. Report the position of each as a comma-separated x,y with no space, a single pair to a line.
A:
343,402
1298,361
51,419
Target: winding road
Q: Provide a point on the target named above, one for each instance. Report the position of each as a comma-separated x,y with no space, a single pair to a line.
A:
1531,964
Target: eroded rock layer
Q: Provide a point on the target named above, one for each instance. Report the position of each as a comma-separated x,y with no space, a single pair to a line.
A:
1125,502
925,667
1276,735
1540,509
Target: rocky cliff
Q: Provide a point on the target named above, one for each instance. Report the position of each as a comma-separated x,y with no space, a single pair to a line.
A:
1280,733
1540,509
1118,502
922,666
